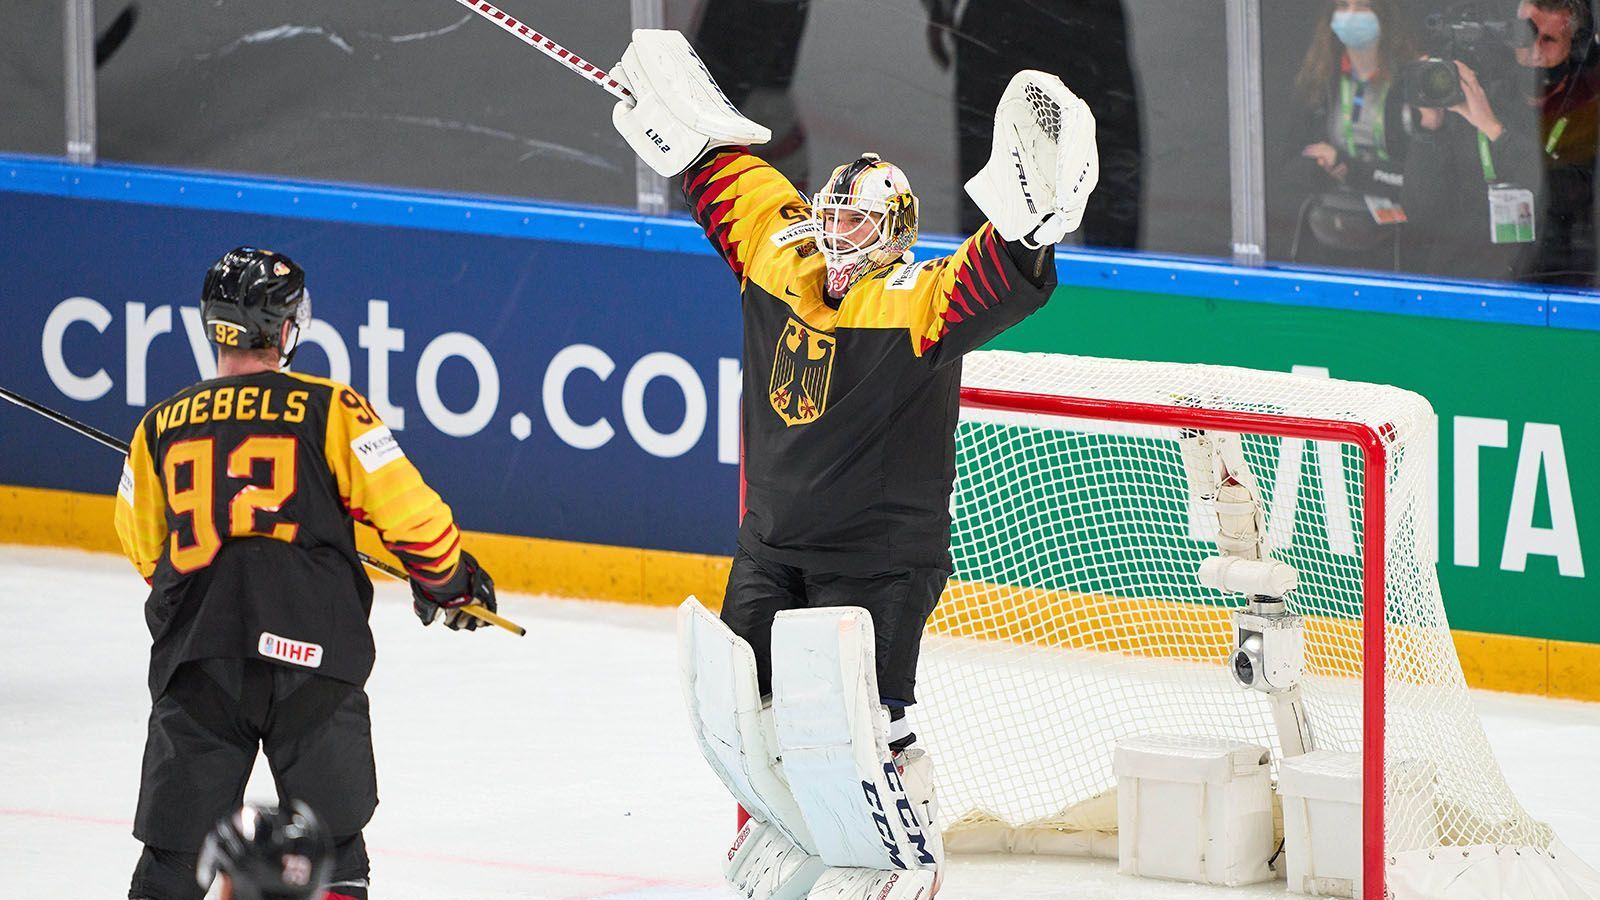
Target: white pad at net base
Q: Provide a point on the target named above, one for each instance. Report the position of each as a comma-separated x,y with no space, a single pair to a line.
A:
1484,872
729,721
833,737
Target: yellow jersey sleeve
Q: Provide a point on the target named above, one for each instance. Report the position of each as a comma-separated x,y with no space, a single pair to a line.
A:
380,487
962,301
748,209
141,509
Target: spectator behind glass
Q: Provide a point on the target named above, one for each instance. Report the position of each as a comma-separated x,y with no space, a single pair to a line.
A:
751,50
1336,200
1501,184
1567,101
1085,43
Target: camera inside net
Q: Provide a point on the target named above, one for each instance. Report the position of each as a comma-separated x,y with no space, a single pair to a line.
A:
1482,34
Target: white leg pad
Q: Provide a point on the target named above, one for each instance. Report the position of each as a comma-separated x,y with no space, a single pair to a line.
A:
833,737
874,884
764,864
734,731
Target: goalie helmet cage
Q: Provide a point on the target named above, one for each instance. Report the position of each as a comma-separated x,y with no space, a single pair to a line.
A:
1075,618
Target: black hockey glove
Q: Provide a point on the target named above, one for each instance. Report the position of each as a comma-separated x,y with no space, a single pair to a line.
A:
471,584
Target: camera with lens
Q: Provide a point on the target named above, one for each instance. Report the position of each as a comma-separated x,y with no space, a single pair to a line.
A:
1483,34
1269,646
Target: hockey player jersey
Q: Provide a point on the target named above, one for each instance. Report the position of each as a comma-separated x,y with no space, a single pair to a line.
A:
236,504
850,408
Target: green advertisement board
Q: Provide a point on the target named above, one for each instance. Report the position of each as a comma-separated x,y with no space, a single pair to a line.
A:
1518,485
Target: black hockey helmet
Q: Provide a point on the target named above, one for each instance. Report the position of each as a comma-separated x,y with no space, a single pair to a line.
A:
269,853
248,295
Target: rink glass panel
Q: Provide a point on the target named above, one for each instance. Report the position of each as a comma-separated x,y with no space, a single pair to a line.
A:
33,79
417,95
833,80
1316,220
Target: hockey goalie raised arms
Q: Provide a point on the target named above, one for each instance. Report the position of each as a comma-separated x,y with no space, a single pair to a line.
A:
798,693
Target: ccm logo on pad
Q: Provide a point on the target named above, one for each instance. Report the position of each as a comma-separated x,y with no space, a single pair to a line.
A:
300,653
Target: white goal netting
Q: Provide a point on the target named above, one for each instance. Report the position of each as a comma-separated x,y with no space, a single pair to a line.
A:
1075,617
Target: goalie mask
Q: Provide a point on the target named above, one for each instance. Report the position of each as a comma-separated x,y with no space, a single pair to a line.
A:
866,218
248,295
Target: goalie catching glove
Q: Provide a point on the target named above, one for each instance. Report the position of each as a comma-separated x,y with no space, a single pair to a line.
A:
470,584
1043,165
678,112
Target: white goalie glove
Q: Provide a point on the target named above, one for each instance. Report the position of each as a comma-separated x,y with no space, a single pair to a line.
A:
1043,165
678,112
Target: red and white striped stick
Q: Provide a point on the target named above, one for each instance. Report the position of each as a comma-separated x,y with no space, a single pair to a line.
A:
555,51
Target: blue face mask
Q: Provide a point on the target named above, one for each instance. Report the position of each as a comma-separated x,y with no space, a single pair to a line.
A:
1357,30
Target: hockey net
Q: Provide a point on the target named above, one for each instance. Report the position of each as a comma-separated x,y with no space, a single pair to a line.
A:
1075,618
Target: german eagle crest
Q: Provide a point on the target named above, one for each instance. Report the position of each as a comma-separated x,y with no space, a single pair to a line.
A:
801,370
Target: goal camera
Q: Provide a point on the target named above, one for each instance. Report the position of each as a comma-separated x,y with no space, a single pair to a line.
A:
1269,646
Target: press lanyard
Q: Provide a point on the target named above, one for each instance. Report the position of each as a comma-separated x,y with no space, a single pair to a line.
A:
1350,104
1485,157
1555,136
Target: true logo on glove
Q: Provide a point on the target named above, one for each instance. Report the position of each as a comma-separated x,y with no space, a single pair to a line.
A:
1022,179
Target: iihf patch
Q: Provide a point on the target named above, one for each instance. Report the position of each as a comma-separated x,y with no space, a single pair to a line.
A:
906,278
300,653
377,448
799,231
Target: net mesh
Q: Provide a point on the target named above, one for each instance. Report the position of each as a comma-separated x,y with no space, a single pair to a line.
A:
1074,617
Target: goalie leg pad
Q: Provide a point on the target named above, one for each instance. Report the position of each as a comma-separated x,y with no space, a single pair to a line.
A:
731,724
764,864
833,736
874,884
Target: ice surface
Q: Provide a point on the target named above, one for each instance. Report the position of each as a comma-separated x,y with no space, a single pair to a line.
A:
555,766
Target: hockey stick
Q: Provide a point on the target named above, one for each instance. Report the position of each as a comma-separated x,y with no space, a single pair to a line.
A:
555,51
476,610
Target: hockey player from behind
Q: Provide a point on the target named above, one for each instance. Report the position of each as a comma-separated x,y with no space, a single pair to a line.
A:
236,504
852,370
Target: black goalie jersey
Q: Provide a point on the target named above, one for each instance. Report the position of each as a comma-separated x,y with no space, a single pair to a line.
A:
850,410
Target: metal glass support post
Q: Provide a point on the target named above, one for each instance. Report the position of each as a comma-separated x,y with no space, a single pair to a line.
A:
650,188
1245,152
78,33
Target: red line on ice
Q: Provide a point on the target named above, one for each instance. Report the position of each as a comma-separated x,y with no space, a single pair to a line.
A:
643,881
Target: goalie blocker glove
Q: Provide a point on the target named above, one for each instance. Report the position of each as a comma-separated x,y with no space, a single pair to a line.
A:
1043,165
678,113
469,584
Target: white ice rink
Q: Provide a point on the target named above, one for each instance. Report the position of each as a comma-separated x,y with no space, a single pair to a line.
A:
555,766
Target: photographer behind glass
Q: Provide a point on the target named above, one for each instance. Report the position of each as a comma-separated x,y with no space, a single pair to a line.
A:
1499,183
1350,141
